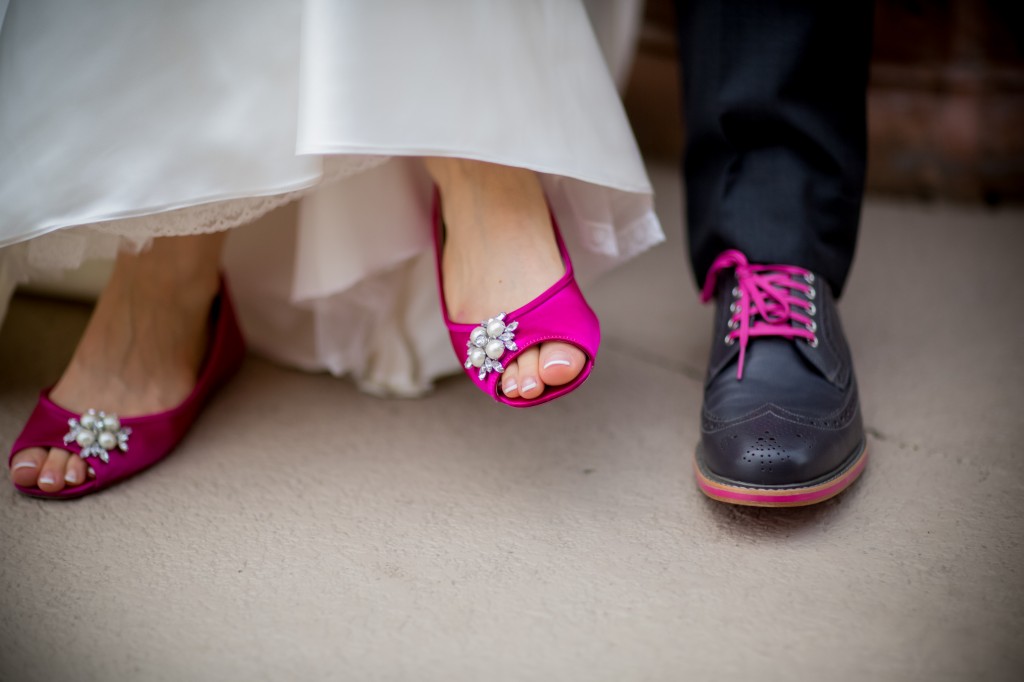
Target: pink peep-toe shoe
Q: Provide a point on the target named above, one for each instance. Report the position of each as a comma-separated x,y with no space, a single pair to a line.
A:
119,448
559,314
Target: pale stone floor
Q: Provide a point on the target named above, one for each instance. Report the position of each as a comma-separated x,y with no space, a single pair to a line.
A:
306,531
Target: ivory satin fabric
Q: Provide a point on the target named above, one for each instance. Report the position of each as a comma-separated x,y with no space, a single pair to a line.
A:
124,120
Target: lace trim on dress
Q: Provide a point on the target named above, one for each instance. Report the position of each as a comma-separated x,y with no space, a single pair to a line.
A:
69,248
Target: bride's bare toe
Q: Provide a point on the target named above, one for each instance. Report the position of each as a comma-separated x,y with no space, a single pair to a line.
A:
25,466
560,363
51,477
530,385
510,381
74,473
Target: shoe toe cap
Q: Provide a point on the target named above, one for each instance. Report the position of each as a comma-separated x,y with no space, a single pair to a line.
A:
773,449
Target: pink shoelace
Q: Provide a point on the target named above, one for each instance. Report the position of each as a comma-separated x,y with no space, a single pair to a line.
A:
771,300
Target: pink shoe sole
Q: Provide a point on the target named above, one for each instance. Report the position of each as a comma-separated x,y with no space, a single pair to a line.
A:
788,496
136,443
559,314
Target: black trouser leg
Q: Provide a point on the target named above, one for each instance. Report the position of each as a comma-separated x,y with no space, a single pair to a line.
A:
774,99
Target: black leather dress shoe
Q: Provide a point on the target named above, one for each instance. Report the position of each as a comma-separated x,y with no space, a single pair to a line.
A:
781,423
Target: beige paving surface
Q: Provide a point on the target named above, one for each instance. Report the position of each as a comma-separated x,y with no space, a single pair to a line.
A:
305,531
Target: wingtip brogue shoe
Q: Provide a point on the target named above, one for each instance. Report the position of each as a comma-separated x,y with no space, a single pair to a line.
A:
781,423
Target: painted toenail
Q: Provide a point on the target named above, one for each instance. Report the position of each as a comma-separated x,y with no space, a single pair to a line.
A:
510,386
48,479
71,477
529,385
557,360
24,465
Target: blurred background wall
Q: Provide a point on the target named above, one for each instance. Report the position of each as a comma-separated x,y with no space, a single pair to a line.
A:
945,104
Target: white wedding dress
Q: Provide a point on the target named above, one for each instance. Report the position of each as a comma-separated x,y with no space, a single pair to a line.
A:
125,120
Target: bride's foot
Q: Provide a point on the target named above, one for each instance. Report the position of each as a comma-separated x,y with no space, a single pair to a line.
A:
500,253
140,352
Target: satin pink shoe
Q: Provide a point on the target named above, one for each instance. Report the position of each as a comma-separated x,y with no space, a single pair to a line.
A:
559,314
119,448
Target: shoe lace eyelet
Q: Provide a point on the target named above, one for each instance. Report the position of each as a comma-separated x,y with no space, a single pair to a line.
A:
811,293
812,327
734,324
812,310
813,343
735,292
729,340
809,278
735,308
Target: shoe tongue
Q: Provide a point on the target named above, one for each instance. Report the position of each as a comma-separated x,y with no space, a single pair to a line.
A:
774,371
